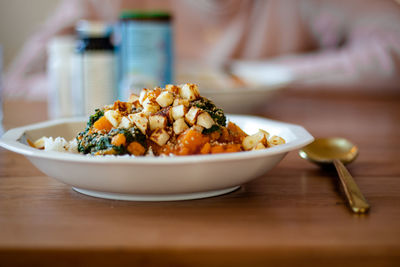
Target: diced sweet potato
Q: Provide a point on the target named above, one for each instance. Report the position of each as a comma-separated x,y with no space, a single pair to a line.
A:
103,124
225,137
214,136
118,140
206,149
230,148
192,141
215,149
225,148
183,151
236,132
136,149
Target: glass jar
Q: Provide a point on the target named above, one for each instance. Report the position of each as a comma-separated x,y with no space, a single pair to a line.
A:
145,51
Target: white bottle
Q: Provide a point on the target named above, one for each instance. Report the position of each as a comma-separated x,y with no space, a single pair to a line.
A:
60,50
94,79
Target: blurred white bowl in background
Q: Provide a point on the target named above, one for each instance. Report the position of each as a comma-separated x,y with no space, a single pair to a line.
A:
242,87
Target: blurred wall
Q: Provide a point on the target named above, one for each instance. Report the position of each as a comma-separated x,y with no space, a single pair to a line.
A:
19,19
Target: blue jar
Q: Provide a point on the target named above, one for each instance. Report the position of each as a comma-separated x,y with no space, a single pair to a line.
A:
145,51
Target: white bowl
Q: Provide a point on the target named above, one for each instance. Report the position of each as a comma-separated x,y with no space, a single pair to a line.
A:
154,178
260,81
242,100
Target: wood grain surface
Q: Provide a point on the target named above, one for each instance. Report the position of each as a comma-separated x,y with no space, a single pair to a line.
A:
294,215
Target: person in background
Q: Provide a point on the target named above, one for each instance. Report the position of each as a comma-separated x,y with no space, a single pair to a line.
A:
338,43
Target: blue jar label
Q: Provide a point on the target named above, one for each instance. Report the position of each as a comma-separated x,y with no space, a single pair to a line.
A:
146,56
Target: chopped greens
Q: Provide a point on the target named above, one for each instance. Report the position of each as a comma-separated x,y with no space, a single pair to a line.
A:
93,118
213,128
99,142
132,134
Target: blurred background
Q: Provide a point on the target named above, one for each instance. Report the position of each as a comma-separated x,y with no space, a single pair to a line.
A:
19,20
79,54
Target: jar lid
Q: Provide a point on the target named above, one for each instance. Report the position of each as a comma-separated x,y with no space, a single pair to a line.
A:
93,28
145,15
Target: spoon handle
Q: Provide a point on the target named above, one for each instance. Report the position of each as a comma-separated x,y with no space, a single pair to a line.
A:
354,196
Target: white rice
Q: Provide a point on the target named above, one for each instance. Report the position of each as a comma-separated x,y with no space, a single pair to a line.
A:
59,144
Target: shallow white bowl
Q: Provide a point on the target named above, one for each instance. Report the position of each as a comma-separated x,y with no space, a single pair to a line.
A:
261,81
154,178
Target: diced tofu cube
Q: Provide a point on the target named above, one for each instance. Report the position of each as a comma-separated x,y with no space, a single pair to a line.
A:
166,112
40,143
205,120
189,91
178,112
180,126
181,101
151,109
113,117
125,123
259,146
123,108
165,99
133,98
264,132
157,121
136,104
143,95
251,141
276,140
140,120
172,89
191,115
150,106
160,137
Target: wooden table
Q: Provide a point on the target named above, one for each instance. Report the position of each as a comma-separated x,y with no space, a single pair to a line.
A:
292,216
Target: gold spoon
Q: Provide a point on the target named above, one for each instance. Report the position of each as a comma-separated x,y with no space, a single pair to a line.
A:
339,151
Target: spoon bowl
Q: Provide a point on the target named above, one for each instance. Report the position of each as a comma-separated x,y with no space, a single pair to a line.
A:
325,150
338,151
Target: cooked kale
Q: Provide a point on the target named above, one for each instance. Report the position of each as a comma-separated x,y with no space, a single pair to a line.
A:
131,134
103,143
92,143
93,118
87,142
216,113
213,128
97,142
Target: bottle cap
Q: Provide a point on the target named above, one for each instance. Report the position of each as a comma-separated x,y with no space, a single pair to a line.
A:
93,28
145,14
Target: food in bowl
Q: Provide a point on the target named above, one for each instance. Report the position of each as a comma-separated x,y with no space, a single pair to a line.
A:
174,120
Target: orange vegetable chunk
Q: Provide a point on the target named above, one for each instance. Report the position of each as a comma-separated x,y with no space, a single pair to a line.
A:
118,140
191,141
206,149
236,132
232,148
136,149
215,149
103,124
225,148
